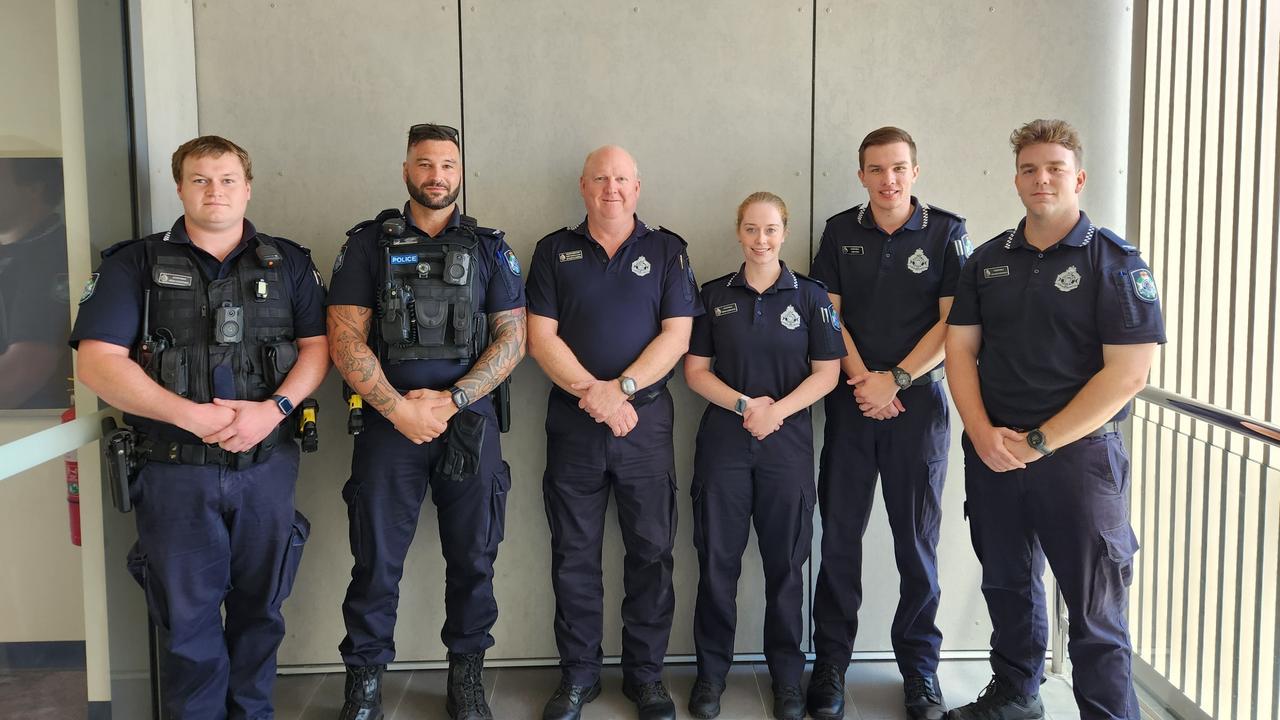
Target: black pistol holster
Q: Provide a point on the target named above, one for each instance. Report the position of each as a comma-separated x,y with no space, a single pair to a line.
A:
118,445
463,441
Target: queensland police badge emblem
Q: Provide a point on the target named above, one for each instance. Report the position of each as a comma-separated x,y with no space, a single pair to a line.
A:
641,267
89,287
790,318
918,263
1144,286
1068,280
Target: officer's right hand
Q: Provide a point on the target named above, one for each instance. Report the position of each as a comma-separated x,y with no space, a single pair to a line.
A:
988,442
623,421
415,418
206,419
888,412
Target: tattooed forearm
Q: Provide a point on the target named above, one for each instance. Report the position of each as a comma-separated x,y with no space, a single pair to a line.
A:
349,327
507,328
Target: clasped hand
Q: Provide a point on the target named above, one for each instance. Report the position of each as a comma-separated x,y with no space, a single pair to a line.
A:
877,395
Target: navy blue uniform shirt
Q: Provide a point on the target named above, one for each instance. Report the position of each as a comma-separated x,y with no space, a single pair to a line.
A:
1045,316
889,285
609,309
763,342
358,267
111,309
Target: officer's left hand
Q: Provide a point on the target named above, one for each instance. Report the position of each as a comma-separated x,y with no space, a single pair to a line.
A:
254,421
761,418
600,398
873,391
442,412
1019,448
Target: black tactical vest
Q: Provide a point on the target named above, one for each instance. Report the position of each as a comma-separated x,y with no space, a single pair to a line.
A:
245,319
428,293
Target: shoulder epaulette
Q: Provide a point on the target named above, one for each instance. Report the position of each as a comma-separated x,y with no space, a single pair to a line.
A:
470,223
806,278
719,281
384,215
306,250
944,211
118,246
1118,241
854,209
673,234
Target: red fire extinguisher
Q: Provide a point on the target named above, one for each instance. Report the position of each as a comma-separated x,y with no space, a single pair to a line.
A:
73,484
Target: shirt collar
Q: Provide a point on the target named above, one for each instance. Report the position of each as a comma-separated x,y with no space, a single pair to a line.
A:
919,219
786,279
455,220
640,230
178,233
1079,236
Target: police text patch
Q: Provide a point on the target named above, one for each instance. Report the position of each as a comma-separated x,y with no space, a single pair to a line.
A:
729,309
995,272
570,256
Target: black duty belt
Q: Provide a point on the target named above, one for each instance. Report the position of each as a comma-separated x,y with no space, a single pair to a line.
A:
177,453
1106,429
931,377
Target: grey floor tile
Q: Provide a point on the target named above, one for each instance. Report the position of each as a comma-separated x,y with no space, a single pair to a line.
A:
875,689
43,694
292,693
423,696
521,692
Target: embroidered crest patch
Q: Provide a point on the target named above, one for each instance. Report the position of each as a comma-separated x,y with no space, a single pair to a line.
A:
831,317
513,263
89,287
1068,279
790,318
641,267
1144,285
918,263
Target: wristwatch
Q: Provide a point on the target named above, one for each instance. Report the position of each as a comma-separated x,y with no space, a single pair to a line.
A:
459,396
901,378
628,385
1035,439
740,407
282,402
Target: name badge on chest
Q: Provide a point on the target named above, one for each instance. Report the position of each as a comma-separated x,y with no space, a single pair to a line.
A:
995,272
851,250
570,256
729,309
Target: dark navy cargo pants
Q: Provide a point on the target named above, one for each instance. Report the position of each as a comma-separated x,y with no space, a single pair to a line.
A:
1070,508
211,538
390,478
584,463
738,482
909,454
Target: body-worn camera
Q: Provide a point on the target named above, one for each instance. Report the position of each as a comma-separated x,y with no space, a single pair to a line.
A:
228,324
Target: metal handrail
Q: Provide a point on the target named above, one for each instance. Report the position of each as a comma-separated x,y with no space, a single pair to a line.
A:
41,447
1243,424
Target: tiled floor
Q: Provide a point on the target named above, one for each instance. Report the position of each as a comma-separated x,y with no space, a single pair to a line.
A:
874,692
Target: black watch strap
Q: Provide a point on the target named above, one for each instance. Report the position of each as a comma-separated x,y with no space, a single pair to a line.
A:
901,378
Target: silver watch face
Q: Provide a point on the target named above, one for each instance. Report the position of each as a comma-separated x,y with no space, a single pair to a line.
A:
628,385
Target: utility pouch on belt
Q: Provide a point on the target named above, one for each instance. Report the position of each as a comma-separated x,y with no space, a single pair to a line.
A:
463,440
117,452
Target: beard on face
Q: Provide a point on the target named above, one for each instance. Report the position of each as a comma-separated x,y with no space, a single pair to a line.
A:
420,196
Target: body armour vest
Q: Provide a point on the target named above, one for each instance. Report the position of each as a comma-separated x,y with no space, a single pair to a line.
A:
427,293
244,320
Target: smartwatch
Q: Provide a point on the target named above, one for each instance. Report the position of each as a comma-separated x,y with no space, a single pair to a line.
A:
740,407
1035,439
460,399
901,378
282,402
628,385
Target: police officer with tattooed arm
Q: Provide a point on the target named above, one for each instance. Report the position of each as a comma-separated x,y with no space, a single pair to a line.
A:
426,318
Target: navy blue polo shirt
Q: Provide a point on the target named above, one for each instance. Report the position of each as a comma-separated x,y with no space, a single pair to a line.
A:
609,309
112,308
763,342
358,268
889,284
1045,316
